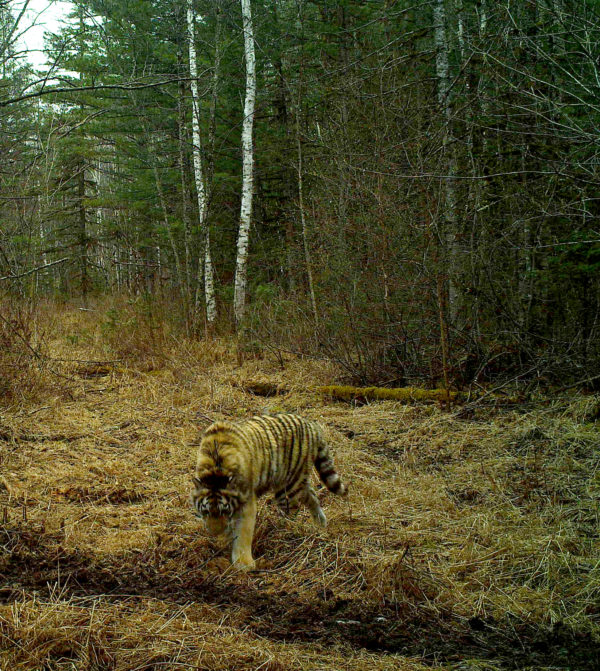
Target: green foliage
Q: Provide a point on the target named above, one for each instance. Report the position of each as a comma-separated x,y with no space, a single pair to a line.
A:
354,84
112,321
577,257
265,293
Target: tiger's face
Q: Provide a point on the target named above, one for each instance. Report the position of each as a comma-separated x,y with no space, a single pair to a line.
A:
217,492
212,501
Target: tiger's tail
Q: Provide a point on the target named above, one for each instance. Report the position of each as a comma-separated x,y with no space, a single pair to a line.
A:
327,473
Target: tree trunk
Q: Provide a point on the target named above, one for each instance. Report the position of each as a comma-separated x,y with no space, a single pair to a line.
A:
185,191
214,96
82,237
525,279
239,301
442,68
165,211
209,287
311,288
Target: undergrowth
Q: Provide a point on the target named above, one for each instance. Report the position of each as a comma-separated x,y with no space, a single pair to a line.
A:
23,352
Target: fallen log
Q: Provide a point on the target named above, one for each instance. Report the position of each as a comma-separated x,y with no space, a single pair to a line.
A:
401,394
351,394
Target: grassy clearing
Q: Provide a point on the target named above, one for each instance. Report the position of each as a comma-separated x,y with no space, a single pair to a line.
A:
464,544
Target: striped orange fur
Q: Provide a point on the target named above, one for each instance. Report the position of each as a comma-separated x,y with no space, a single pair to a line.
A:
239,462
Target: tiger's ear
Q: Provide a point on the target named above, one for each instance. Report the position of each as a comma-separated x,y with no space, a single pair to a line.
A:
197,482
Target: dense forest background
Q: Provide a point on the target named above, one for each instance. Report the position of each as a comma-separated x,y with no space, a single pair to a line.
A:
425,178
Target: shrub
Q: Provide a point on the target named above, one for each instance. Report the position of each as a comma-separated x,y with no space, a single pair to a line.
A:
22,351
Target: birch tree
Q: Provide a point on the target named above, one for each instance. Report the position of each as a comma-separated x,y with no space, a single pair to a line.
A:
201,190
239,299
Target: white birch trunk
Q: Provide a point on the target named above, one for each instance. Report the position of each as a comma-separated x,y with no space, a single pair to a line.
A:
185,213
209,286
239,300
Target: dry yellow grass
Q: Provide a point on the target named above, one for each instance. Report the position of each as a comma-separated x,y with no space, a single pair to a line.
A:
464,544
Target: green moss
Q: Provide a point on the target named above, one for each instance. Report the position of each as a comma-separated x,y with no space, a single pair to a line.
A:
403,394
365,394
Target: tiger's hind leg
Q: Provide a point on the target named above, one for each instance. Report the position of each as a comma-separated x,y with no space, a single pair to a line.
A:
286,506
289,501
312,503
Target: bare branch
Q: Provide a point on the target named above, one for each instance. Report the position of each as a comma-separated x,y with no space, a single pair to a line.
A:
78,89
35,270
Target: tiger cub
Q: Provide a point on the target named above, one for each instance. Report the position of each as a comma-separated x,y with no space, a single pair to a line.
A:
238,462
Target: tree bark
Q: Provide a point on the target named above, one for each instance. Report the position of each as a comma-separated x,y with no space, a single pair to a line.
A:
185,191
239,301
442,68
209,287
165,211
82,237
311,288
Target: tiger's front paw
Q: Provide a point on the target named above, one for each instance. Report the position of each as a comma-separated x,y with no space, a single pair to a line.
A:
218,565
244,563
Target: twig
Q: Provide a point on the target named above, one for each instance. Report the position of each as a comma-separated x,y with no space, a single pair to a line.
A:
477,401
40,357
35,270
104,87
9,436
576,384
44,407
94,361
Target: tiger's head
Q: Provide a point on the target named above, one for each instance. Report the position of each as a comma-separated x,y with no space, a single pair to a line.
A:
219,484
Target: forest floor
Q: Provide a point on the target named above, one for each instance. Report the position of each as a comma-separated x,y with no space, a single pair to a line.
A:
464,543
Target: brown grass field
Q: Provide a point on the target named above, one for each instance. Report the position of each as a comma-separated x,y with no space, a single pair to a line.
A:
464,543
